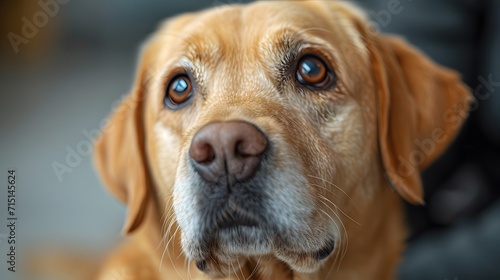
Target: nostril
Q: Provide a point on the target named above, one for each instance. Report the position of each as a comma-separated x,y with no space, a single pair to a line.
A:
202,153
240,149
254,145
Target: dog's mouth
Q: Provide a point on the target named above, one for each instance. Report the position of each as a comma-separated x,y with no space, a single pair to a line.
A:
234,235
236,218
324,252
265,217
245,239
234,231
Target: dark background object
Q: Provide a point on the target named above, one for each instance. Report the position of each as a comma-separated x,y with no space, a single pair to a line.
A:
455,236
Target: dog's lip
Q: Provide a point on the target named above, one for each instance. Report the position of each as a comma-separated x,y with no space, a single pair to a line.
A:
238,221
324,252
236,217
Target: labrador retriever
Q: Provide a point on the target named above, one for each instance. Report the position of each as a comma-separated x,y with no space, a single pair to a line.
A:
273,141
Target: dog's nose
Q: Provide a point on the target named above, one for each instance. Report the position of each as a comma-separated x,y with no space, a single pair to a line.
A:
227,151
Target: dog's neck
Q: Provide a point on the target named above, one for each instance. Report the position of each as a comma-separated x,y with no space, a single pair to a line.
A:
374,245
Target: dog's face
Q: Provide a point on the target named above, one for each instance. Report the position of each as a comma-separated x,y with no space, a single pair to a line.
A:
269,129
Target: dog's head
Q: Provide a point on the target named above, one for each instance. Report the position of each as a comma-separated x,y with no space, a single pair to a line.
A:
267,126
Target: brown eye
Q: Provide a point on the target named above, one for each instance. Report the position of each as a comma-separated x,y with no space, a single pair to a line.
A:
312,71
179,91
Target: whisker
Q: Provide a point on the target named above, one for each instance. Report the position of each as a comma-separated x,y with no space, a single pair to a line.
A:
340,189
166,233
254,269
338,208
189,268
345,230
231,266
325,189
326,181
170,257
241,270
340,237
166,216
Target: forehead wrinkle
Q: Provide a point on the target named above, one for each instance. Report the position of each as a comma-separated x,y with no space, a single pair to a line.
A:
214,42
213,35
202,49
284,42
203,56
215,66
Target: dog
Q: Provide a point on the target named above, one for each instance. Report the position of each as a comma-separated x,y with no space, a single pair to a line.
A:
274,140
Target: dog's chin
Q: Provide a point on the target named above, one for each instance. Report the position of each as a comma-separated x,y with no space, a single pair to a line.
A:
231,246
244,240
306,262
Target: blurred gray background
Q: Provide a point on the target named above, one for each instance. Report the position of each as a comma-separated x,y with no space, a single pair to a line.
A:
61,84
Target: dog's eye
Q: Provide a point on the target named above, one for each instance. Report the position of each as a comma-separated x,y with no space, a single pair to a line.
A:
179,91
312,71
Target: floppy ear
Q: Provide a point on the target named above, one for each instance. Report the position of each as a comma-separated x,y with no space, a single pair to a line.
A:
421,107
120,155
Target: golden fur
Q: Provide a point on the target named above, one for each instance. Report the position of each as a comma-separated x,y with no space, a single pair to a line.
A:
344,144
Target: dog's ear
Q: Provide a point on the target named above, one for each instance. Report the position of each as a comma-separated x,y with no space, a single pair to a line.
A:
119,154
421,107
